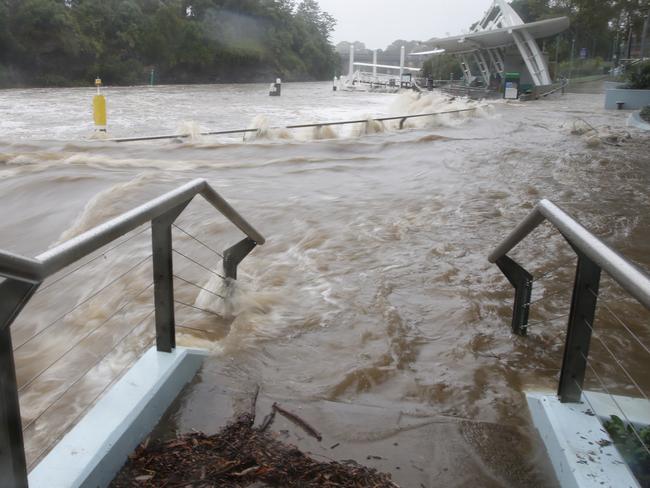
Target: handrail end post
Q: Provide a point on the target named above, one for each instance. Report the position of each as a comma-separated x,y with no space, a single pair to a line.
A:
522,281
235,255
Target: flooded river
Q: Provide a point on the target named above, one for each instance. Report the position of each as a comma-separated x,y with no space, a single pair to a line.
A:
373,287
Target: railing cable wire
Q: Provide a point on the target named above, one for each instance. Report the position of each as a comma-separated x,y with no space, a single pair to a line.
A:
552,319
617,360
583,395
90,404
193,328
602,385
550,272
86,300
198,264
199,286
122,339
547,295
86,336
197,308
645,348
199,241
93,259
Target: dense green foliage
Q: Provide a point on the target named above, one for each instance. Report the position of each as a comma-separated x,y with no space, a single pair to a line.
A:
645,114
607,29
58,42
638,76
635,454
442,67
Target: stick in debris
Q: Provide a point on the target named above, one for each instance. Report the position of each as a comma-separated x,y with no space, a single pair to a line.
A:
254,403
268,420
298,421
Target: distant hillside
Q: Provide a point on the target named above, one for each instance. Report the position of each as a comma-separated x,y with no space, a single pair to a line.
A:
67,42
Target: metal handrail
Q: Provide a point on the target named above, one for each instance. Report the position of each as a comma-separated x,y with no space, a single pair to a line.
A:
24,275
20,267
631,278
593,256
34,270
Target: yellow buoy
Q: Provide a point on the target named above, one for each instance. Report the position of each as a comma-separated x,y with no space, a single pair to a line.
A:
99,108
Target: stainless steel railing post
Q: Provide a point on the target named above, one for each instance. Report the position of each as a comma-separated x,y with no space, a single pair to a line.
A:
522,281
13,467
12,450
163,278
578,338
594,256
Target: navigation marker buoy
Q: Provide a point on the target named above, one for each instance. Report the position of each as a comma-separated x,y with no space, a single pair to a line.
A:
99,108
276,89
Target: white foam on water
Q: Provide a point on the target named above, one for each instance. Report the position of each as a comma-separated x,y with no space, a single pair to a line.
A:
108,204
192,130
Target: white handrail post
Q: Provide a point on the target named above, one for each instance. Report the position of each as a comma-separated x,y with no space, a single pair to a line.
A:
374,64
351,66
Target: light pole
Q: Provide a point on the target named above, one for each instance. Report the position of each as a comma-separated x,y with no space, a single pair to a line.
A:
557,54
573,45
644,33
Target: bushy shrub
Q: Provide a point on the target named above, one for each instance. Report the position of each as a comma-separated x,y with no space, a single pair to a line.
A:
632,446
583,67
645,114
638,76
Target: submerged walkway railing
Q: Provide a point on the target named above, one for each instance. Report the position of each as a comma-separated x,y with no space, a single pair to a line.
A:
24,276
401,118
593,257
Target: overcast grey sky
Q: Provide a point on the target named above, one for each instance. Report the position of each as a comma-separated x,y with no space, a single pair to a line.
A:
377,23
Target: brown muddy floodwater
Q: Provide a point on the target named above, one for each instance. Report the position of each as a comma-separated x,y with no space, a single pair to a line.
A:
373,290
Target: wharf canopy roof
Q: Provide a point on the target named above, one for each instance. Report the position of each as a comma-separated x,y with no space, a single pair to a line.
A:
489,39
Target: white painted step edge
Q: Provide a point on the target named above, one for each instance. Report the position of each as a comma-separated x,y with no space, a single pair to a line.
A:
98,446
578,445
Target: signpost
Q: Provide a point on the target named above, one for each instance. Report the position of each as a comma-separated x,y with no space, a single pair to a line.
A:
511,86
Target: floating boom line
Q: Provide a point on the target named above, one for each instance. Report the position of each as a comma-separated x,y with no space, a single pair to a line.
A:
401,118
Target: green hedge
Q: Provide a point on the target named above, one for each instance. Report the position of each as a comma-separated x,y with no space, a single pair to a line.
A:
631,447
638,76
645,114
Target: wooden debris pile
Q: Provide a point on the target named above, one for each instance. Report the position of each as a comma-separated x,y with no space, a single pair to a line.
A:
239,456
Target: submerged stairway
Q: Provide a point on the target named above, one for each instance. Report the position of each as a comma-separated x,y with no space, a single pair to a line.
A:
24,276
418,447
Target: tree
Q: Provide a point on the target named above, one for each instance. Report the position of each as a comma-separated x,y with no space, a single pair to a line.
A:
44,38
71,41
441,67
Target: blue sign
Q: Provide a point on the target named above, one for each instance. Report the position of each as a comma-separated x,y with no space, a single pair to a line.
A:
583,53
